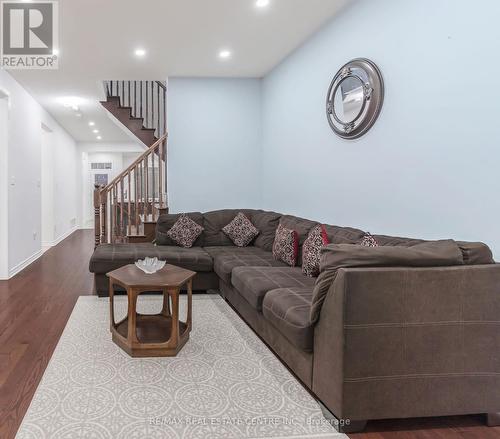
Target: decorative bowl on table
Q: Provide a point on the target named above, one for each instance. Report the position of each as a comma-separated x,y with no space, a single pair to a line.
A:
150,265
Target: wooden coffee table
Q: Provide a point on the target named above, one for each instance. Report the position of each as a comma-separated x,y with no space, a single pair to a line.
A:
159,335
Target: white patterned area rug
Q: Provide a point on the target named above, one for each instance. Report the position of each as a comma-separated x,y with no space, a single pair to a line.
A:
225,383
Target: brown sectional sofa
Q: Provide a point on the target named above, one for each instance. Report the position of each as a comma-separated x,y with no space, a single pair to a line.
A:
391,342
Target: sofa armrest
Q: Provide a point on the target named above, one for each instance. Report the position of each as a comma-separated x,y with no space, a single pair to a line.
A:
405,342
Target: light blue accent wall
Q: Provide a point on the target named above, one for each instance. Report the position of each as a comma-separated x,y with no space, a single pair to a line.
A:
430,166
214,143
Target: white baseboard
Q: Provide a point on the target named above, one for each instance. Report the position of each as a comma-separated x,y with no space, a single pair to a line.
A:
22,265
45,246
48,244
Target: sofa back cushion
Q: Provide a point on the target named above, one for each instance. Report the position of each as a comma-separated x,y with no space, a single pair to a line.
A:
396,241
267,223
336,256
343,235
476,253
166,222
215,221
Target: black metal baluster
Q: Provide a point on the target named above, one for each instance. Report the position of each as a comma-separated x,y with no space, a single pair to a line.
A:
158,110
164,111
147,95
135,98
151,120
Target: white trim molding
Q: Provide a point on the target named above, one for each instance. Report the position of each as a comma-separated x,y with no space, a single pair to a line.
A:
45,246
24,264
48,245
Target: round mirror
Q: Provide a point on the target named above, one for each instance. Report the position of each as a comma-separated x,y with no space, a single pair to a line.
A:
349,99
355,98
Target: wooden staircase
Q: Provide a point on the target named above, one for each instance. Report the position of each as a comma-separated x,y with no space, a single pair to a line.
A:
134,124
127,209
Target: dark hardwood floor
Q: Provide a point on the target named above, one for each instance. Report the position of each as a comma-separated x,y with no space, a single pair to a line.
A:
36,304
34,308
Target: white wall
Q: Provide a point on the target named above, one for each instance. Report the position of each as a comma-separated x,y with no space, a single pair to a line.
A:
214,143
26,117
47,188
429,166
4,187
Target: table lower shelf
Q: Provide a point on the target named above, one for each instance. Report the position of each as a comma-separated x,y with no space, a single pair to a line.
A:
153,334
151,328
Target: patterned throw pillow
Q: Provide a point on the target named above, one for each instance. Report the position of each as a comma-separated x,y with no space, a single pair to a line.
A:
241,230
185,231
286,245
316,239
368,241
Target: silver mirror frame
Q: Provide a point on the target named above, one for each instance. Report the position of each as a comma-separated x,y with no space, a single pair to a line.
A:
373,98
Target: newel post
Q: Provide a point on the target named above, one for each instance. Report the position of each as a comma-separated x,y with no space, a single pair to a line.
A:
97,215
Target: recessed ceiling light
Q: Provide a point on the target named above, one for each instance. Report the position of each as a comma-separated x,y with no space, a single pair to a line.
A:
95,131
79,114
98,137
140,53
71,101
91,124
225,54
262,3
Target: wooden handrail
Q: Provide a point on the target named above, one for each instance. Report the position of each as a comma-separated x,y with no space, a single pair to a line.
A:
124,173
125,205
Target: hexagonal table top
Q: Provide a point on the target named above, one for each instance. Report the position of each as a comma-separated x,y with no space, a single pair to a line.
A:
168,276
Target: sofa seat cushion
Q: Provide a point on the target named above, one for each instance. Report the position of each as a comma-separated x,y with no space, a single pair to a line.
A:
108,257
227,258
253,283
289,310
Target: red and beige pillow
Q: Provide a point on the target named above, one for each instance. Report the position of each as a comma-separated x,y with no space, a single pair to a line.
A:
241,230
316,239
286,245
185,231
368,240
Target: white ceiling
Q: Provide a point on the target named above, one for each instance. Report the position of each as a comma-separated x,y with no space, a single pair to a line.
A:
182,38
